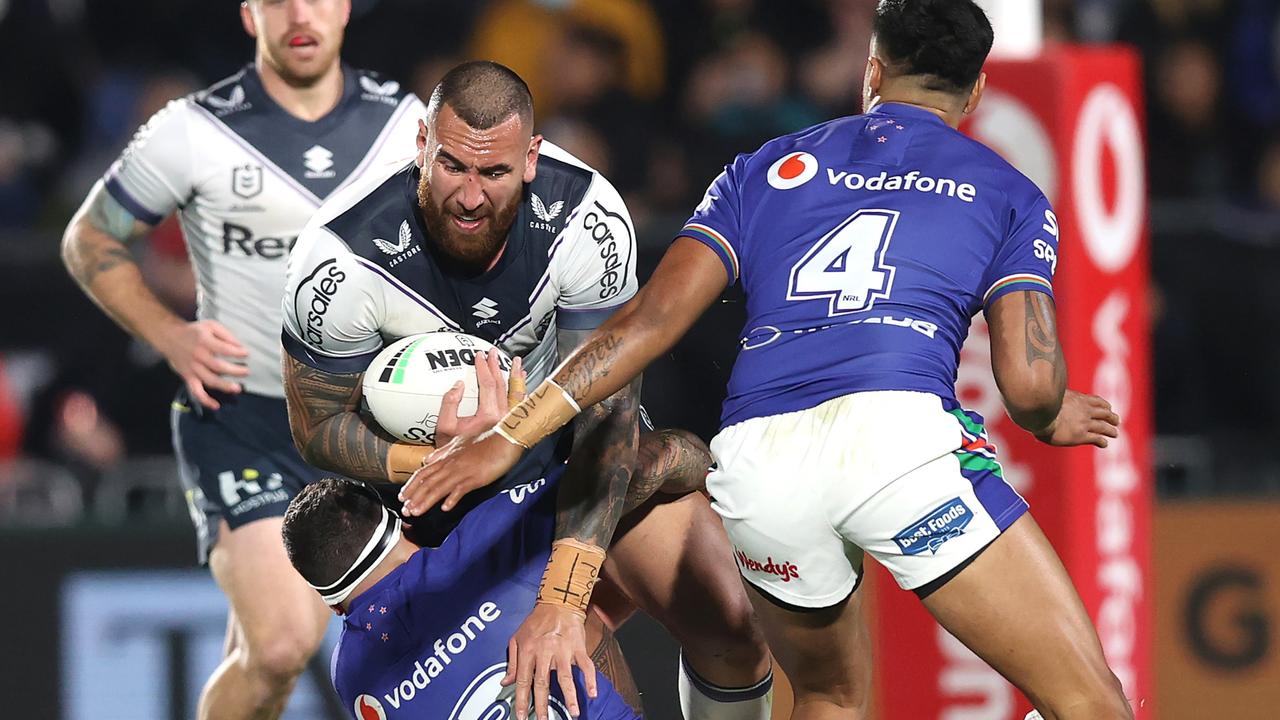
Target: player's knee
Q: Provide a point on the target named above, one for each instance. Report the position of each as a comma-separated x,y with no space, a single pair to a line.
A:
279,660
731,629
1103,699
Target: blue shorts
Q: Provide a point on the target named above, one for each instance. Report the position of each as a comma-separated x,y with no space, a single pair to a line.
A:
237,463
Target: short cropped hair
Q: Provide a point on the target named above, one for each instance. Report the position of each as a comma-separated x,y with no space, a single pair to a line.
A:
483,94
944,41
327,525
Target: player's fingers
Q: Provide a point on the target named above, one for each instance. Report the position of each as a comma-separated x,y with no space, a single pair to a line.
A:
220,331
218,346
588,667
564,676
489,380
212,380
454,498
197,391
222,367
513,651
430,491
1098,440
448,416
524,684
1109,416
542,684
516,389
1099,427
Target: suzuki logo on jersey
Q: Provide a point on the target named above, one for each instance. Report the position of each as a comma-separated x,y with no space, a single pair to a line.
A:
368,708
784,570
929,533
544,213
792,171
400,246
319,162
246,180
486,310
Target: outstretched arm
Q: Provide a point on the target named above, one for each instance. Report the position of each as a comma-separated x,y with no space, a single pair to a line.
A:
1031,372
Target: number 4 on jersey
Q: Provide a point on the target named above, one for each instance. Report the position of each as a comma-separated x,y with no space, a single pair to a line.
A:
847,265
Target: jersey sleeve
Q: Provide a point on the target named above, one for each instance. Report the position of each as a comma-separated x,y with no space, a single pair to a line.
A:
594,262
154,173
1028,257
715,222
333,306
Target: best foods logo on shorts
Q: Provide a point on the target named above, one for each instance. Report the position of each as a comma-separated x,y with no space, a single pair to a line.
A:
948,521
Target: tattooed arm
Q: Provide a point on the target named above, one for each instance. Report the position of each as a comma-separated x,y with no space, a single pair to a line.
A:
1026,358
96,253
1031,373
324,416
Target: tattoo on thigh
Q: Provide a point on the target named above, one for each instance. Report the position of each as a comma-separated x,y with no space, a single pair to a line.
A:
609,661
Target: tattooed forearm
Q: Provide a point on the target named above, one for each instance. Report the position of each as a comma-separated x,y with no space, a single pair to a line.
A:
1042,335
594,487
610,662
670,461
95,241
591,364
327,427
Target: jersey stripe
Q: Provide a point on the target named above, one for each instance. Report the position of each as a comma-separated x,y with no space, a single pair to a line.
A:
699,231
1038,282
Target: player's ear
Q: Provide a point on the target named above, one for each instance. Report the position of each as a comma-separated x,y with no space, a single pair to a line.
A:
422,143
975,95
871,81
531,161
246,19
346,12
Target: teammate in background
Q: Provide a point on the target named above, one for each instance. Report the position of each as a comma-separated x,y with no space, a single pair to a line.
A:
495,233
865,245
246,163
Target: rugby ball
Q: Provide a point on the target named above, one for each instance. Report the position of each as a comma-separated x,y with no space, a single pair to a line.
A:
406,383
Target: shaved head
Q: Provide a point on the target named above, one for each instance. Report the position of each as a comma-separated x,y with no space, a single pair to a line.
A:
483,94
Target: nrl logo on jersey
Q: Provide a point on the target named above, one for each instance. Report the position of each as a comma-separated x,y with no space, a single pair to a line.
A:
233,102
545,214
400,248
375,91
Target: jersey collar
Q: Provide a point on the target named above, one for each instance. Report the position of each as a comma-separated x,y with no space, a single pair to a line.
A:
257,94
904,111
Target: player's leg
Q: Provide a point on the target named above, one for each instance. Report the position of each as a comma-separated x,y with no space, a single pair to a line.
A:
1015,606
610,607
671,558
825,654
280,622
240,470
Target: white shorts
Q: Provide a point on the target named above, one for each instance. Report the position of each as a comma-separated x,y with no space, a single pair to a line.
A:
897,474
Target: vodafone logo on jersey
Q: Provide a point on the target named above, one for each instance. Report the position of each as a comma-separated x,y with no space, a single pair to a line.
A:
368,708
793,170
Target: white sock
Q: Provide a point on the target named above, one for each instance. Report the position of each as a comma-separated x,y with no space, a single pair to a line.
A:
700,700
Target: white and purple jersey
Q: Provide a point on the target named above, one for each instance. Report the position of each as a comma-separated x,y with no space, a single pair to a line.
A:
865,245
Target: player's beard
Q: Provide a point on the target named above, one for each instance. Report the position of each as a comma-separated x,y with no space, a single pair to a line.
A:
474,252
303,74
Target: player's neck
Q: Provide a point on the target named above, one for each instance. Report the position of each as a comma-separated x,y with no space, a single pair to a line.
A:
310,102
936,103
398,556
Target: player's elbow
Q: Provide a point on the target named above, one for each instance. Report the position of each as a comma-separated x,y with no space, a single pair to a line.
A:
1034,403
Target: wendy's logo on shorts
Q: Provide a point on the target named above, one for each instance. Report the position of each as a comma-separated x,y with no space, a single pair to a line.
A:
781,568
947,521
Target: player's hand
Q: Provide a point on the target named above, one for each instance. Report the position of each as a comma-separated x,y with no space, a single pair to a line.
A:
1082,420
198,352
551,638
456,469
492,399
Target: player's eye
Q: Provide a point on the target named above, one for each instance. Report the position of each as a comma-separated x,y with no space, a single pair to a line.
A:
496,174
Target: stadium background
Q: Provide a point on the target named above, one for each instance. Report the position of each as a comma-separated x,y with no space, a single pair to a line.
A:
106,616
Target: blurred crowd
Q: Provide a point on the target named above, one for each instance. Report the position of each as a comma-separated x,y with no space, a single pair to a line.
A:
657,94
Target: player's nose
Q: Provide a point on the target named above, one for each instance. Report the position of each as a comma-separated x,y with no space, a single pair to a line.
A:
299,13
471,197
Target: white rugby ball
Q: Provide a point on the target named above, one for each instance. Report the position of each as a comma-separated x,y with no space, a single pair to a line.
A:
407,381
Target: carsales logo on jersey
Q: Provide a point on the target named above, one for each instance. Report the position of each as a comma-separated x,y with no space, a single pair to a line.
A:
783,569
797,168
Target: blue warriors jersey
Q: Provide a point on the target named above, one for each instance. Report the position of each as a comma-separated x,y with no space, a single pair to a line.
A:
429,640
865,245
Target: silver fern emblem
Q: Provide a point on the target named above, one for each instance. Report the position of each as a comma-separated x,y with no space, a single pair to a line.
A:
401,244
544,213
